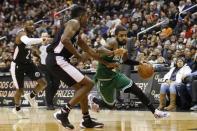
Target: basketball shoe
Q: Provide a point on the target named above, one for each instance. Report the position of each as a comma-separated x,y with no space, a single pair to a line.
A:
88,122
161,114
63,119
32,101
93,106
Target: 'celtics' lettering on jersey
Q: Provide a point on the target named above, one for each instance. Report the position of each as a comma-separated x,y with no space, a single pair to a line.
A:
103,72
118,59
22,54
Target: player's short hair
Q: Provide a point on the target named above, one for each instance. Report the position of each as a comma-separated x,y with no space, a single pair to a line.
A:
77,11
27,22
119,28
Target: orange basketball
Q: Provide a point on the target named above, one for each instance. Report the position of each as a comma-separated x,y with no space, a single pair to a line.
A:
145,70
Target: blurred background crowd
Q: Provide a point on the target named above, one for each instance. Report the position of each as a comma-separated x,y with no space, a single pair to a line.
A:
175,36
174,32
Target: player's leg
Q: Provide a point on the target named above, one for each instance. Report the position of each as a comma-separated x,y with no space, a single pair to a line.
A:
107,95
134,89
82,90
128,86
87,121
55,83
80,94
17,75
32,71
96,103
60,73
107,91
73,78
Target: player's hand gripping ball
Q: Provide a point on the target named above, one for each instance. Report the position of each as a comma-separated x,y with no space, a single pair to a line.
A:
145,70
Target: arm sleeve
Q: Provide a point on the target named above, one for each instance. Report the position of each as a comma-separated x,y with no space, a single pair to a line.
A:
31,41
131,62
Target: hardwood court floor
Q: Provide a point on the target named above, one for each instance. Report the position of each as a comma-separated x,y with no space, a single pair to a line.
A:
42,120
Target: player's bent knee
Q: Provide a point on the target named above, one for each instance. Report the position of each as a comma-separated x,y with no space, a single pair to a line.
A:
42,82
88,83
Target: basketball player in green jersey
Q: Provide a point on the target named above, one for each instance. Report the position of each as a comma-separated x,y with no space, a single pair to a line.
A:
109,80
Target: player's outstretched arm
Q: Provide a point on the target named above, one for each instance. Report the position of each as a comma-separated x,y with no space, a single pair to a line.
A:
22,36
93,53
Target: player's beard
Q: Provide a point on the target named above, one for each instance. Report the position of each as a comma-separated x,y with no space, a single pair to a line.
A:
122,43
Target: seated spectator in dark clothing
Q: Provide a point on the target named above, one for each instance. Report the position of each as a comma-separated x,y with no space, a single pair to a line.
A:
188,91
194,95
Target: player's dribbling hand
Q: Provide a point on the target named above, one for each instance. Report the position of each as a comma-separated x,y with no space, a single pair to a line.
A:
112,65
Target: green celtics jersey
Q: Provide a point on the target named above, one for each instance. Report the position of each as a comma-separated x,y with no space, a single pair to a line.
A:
109,80
105,73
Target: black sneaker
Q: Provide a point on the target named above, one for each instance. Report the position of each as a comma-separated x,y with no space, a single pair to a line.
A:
63,119
90,123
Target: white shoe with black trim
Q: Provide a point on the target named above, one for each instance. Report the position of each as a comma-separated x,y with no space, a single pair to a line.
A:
161,114
193,108
32,101
93,106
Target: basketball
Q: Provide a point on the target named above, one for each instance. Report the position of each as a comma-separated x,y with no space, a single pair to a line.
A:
145,70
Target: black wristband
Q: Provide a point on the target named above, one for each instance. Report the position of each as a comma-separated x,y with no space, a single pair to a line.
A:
131,62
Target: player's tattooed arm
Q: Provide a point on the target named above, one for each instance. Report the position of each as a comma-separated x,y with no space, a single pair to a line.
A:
111,48
71,27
